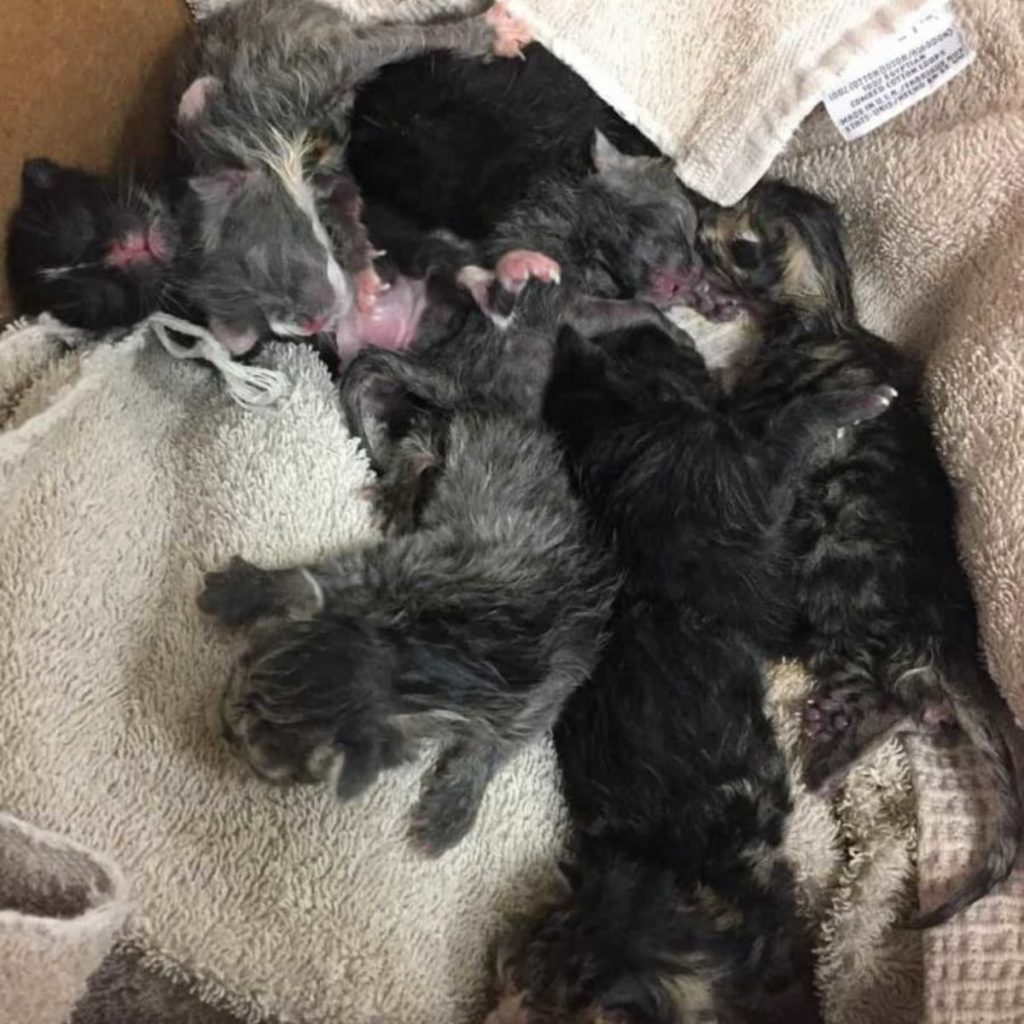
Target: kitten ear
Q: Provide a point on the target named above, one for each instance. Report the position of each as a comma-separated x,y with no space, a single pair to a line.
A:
608,159
569,875
214,188
195,99
39,173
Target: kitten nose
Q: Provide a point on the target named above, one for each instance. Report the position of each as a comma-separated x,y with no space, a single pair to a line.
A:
314,325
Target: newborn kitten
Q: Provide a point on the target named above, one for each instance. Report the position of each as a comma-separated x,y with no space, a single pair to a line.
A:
887,622
625,231
454,143
471,629
94,252
679,906
267,87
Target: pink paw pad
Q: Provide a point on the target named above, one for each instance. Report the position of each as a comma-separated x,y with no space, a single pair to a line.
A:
368,287
518,266
511,34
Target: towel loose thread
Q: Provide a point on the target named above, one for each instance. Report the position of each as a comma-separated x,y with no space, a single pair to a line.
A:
252,387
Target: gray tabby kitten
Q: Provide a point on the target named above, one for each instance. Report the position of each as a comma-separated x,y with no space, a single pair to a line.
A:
269,87
472,629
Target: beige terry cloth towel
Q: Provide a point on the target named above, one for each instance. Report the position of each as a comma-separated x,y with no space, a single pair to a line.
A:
123,475
61,907
720,87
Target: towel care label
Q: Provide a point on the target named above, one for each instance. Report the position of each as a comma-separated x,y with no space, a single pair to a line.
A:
913,65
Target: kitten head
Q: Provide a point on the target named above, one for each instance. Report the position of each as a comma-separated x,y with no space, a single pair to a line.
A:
646,232
601,384
264,263
615,948
95,253
780,248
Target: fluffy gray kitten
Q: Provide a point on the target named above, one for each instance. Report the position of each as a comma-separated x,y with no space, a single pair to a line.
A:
266,90
472,629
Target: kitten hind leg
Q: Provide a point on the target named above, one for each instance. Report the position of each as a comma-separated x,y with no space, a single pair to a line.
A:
451,795
494,33
842,725
242,593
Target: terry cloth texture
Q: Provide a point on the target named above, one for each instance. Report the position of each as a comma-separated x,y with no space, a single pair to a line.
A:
123,475
61,907
720,87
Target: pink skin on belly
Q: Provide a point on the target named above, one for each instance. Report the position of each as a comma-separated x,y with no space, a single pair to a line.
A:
391,322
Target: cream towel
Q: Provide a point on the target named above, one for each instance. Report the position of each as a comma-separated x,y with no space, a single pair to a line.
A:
123,474
720,87
61,907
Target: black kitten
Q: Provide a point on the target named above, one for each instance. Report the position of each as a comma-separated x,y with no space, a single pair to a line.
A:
680,905
94,252
456,143
887,622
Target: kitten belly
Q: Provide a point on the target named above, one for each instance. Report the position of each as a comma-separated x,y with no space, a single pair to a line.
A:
392,322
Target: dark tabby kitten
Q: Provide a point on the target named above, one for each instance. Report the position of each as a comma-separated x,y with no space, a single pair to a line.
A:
680,904
887,623
94,252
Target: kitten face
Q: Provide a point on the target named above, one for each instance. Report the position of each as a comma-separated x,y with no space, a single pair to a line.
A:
779,247
653,246
266,265
94,252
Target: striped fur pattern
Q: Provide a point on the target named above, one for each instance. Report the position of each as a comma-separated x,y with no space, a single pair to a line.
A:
471,629
679,904
885,615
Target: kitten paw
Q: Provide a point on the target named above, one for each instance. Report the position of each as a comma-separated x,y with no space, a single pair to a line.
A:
516,267
511,34
368,287
838,727
238,594
482,285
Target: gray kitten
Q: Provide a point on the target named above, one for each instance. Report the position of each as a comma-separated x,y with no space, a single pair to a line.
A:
624,233
263,117
473,629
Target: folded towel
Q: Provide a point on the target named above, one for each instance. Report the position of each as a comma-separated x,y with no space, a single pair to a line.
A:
720,87
123,474
61,907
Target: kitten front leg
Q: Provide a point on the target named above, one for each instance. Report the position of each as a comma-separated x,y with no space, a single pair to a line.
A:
494,33
591,317
451,795
242,593
798,430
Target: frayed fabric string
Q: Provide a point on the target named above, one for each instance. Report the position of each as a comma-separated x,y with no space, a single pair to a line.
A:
252,387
